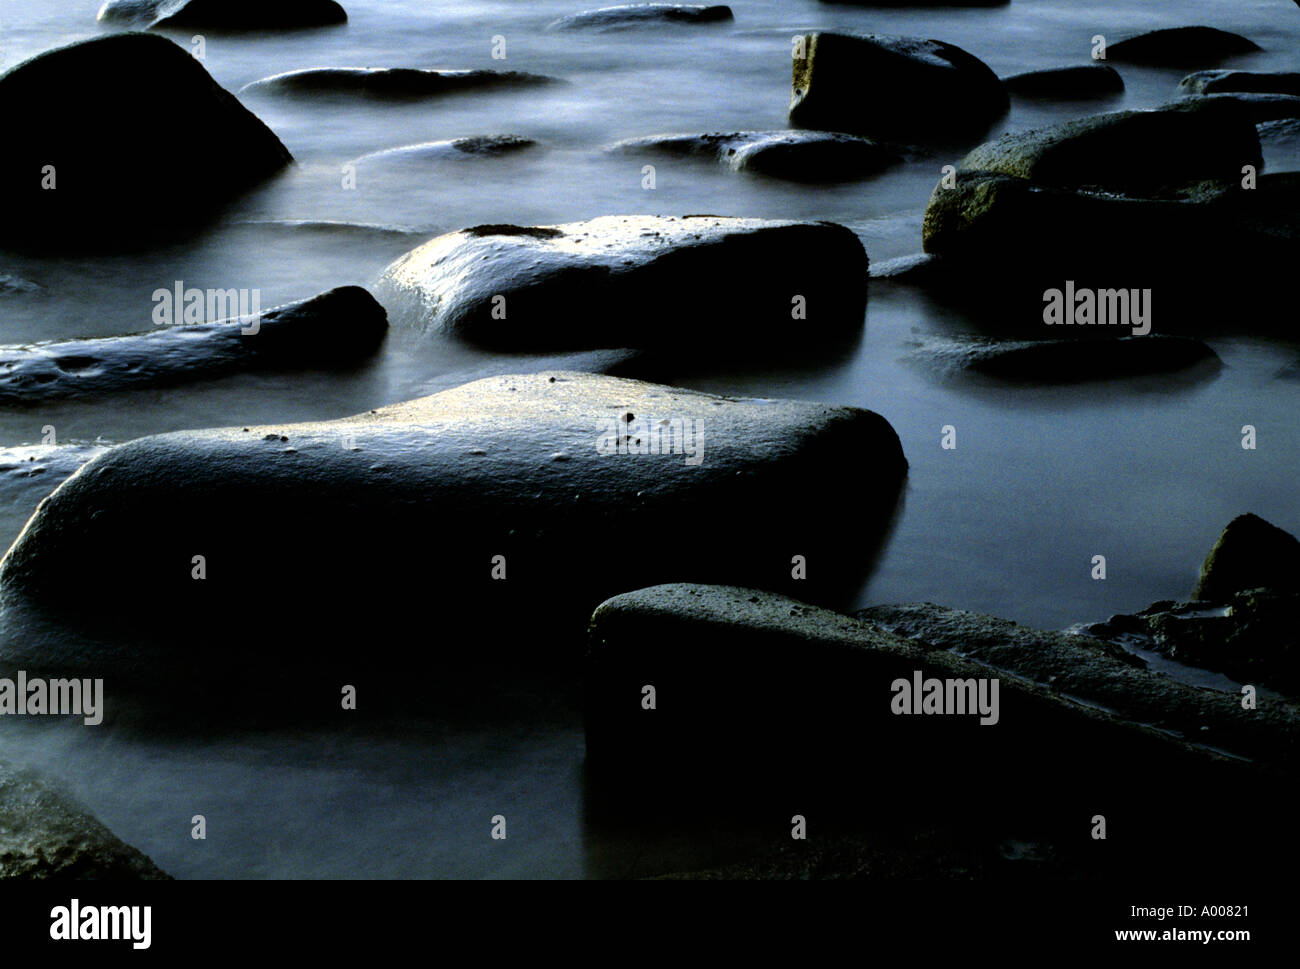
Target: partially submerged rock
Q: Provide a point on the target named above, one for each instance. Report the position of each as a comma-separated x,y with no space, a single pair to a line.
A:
805,156
1180,46
575,481
1250,554
625,16
454,149
394,83
892,87
1143,153
1236,82
46,834
230,15
1067,83
88,169
1069,360
336,328
622,281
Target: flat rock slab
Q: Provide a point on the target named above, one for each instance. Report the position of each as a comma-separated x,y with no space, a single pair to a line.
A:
804,156
645,282
392,83
897,88
1067,83
229,15
1238,82
100,154
1180,46
410,504
632,15
1066,361
336,328
46,834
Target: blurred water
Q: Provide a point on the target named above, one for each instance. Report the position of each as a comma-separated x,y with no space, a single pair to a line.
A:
1145,472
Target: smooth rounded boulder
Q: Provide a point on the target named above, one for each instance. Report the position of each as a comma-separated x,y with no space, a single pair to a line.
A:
104,170
892,87
229,15
1180,46
306,554
391,83
632,15
1068,360
1067,83
646,282
336,328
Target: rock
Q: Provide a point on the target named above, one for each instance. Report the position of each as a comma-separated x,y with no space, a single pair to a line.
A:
1067,83
1149,153
46,833
1066,361
1253,108
631,15
892,87
1237,82
405,508
1250,554
1179,46
143,83
761,702
456,149
391,83
620,281
231,15
1102,674
336,328
805,156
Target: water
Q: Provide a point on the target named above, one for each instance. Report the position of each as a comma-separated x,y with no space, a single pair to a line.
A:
1145,472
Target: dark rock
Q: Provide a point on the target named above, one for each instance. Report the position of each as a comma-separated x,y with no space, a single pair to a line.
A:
620,281
1066,361
1180,46
893,87
143,84
1237,82
1147,153
409,504
480,146
335,328
228,15
1253,108
1250,554
392,83
46,834
631,15
1067,83
805,156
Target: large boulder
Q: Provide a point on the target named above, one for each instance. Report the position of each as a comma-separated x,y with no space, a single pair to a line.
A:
801,156
391,83
1067,83
1238,82
336,328
1250,554
336,534
648,282
631,15
45,833
230,15
95,170
892,87
1180,46
1142,153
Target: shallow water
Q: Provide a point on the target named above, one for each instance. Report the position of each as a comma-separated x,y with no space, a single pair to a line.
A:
1145,472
